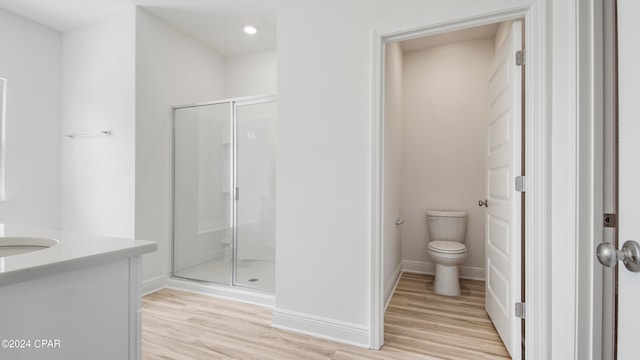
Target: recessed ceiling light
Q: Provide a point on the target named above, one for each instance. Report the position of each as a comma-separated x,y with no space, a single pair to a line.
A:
250,30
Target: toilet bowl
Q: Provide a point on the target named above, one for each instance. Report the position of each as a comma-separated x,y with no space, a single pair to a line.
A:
447,230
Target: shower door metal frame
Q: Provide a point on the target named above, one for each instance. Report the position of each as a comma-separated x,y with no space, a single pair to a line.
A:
233,186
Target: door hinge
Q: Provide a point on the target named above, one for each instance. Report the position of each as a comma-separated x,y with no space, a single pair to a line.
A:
520,57
521,184
609,220
521,310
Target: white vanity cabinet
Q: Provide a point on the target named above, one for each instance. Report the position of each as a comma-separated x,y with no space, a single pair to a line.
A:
73,302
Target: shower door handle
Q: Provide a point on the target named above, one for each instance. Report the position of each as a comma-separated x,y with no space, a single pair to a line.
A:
237,191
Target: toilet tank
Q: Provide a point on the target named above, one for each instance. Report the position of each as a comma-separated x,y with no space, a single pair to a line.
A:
447,225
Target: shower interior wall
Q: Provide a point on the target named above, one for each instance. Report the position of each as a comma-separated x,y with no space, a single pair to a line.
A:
443,122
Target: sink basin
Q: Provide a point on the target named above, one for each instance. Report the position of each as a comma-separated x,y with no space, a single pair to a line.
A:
15,245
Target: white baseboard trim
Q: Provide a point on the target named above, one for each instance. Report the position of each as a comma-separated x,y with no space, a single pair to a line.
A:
319,327
418,267
390,287
421,267
472,273
154,284
248,296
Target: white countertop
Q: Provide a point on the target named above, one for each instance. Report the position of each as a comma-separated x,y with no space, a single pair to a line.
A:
73,251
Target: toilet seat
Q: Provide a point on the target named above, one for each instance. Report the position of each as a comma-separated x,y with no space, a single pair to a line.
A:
447,247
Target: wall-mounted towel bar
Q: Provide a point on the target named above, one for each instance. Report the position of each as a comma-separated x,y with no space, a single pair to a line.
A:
102,132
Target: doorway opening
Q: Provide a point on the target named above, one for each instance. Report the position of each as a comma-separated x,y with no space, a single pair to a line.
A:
452,134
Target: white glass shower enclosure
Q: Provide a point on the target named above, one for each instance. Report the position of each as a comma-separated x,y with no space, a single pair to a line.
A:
224,192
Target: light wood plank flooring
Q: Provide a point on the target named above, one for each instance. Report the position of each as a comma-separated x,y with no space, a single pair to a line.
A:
418,325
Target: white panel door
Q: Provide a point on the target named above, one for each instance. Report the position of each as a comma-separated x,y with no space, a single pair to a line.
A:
629,173
502,231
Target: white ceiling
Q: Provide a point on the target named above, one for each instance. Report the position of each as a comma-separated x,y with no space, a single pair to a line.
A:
426,42
216,23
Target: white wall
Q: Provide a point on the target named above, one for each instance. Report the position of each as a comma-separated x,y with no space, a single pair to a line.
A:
31,62
393,164
98,178
252,74
445,142
171,69
322,250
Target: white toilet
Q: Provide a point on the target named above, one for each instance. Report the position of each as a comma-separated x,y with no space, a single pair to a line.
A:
447,231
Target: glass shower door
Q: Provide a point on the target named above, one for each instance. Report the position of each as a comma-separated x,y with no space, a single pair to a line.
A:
255,161
202,243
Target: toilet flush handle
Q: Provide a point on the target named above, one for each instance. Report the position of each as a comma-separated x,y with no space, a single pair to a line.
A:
482,203
399,222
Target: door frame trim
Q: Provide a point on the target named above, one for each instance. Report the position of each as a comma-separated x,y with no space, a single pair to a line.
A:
589,79
538,165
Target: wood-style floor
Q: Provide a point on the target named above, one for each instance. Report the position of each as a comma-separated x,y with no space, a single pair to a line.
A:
418,325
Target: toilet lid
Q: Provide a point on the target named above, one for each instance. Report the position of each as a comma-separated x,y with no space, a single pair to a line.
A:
450,247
